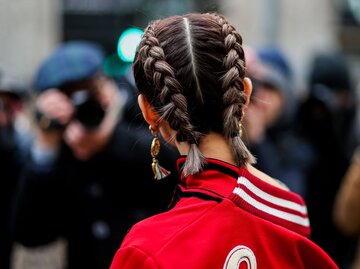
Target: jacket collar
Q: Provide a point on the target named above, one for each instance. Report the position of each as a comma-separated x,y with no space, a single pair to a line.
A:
223,180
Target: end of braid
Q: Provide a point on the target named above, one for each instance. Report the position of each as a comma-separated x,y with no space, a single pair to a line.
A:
241,153
194,162
234,97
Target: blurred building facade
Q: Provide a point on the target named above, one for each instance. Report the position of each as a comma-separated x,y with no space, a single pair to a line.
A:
28,32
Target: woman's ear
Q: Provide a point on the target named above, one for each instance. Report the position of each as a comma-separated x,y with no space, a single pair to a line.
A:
147,110
247,88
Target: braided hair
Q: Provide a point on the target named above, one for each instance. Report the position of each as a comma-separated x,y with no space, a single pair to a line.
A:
190,68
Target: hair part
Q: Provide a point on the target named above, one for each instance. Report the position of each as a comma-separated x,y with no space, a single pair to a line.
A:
189,39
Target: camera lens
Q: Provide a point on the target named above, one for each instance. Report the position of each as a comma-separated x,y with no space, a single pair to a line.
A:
88,110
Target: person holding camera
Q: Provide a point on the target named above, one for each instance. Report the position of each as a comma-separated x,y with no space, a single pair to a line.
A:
76,196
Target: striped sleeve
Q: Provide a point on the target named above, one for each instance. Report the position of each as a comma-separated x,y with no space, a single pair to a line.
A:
273,204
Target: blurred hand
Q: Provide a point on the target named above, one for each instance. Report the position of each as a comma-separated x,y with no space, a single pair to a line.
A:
55,105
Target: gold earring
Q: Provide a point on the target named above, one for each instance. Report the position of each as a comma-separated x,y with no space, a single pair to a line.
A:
159,172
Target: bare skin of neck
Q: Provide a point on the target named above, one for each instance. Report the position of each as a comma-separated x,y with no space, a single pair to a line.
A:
215,146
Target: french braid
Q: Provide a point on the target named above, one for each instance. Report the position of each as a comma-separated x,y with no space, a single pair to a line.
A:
234,97
173,104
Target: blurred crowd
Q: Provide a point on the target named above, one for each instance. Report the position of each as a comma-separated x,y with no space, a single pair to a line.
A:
84,176
307,141
75,154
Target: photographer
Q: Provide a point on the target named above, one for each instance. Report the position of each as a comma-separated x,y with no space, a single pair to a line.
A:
76,193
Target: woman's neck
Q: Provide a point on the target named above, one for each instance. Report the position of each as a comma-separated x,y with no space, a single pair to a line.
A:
216,146
213,145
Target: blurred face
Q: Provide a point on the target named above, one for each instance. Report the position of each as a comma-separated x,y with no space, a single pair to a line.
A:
270,102
86,142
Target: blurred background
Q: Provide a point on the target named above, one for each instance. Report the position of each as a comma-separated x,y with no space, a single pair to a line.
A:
29,30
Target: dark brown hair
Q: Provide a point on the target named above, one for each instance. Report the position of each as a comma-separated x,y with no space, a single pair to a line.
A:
191,68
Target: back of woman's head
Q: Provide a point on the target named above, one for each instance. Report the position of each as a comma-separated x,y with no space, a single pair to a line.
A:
191,69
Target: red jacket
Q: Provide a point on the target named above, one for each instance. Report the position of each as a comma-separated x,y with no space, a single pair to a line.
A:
225,218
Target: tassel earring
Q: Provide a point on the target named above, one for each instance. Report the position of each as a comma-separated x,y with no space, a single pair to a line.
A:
159,172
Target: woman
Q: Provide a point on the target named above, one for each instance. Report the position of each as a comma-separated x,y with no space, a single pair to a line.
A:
190,72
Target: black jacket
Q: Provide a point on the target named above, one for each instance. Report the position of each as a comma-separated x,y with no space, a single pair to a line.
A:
93,203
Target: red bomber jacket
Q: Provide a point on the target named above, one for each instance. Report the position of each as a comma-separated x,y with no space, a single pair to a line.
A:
224,217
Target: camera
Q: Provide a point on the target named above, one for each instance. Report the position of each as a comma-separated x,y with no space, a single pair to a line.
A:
88,110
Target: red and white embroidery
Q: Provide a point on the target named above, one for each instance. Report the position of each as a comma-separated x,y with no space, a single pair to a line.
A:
238,255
